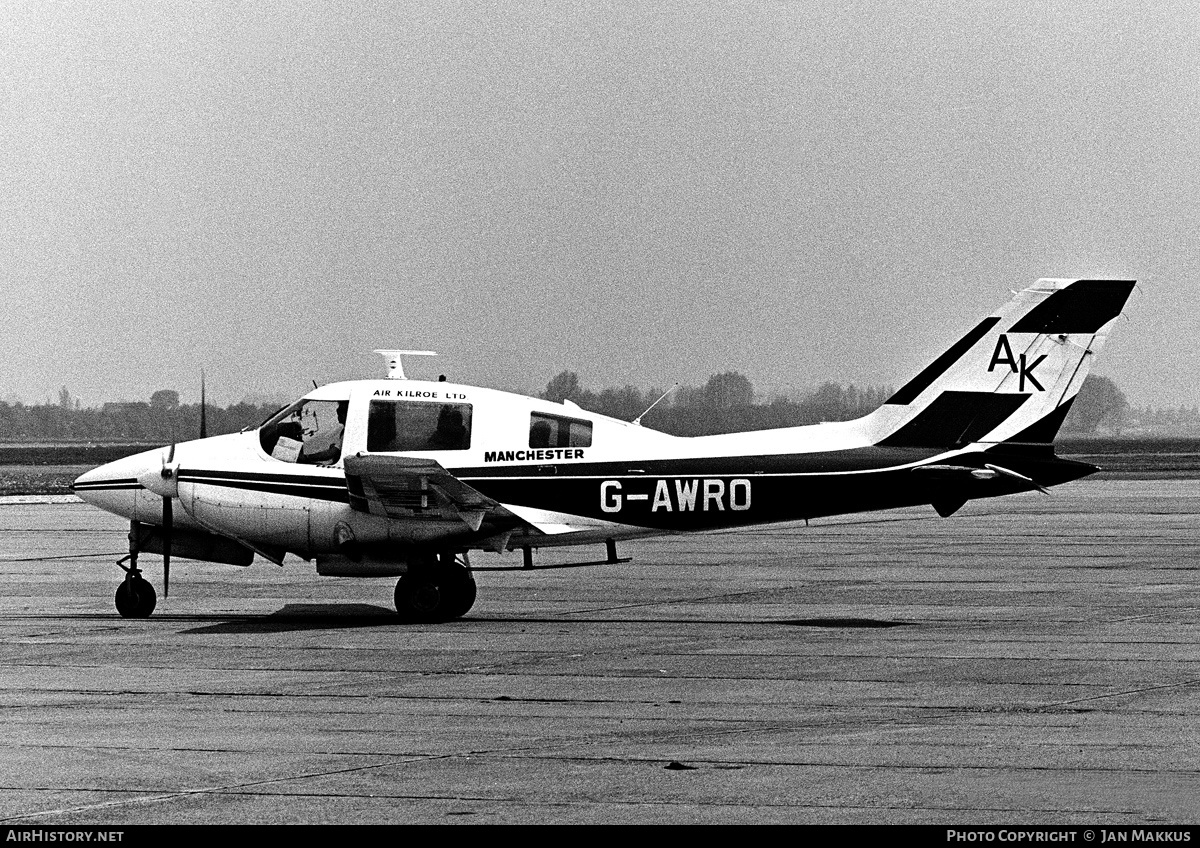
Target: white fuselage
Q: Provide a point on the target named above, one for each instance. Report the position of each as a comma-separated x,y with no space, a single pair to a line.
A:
231,486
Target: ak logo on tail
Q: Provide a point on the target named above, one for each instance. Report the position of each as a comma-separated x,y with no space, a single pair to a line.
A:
1003,355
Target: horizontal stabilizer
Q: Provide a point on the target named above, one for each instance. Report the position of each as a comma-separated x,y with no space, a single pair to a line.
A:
1015,476
968,473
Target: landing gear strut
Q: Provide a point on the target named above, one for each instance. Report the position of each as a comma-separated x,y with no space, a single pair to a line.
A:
436,588
135,596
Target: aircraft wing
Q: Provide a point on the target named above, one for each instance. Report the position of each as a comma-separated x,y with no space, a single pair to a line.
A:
553,523
406,487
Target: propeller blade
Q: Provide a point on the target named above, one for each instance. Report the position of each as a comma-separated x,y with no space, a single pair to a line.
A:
168,511
168,521
203,409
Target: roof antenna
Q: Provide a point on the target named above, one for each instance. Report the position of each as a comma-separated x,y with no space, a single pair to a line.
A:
638,420
395,366
203,408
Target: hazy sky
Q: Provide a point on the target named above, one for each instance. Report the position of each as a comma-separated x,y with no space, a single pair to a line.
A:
642,192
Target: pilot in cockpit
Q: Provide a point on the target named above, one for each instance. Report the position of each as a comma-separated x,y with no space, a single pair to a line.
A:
333,452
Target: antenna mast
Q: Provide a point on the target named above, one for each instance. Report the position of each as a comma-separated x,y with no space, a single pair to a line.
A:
395,368
638,420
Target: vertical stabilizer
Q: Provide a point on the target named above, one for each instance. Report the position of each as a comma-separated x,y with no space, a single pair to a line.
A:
1013,376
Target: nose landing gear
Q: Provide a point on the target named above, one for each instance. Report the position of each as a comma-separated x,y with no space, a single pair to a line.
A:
135,597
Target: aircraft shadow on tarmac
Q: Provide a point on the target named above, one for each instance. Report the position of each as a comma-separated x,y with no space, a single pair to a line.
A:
294,617
306,617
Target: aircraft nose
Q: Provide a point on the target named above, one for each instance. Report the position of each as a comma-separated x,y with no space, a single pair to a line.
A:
89,478
114,486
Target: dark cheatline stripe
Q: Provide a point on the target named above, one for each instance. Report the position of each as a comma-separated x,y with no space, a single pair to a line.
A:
320,493
956,418
301,486
198,475
908,393
106,485
824,462
1082,307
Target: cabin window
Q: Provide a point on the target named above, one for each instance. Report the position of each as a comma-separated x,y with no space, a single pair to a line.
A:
555,431
308,431
417,426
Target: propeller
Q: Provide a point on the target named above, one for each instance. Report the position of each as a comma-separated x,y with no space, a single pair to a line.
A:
168,507
164,482
168,511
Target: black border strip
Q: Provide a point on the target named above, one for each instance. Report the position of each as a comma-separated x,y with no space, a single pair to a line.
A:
107,485
200,475
872,458
321,493
913,388
1082,307
303,486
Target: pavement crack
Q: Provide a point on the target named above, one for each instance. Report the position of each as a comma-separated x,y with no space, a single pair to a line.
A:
224,788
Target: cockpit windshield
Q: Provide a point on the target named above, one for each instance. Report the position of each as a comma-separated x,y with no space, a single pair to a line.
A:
308,431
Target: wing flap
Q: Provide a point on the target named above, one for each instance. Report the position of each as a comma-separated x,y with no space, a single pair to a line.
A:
407,487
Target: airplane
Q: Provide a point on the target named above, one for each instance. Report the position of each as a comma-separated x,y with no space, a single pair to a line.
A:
397,477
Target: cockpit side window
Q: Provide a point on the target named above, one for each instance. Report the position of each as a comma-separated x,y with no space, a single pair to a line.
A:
418,426
556,431
308,432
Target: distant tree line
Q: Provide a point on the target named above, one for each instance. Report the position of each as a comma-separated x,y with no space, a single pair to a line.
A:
1181,417
161,420
724,404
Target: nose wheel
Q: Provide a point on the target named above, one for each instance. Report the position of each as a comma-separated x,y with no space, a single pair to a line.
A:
135,596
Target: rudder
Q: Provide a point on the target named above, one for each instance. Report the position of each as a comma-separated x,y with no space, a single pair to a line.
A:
1012,378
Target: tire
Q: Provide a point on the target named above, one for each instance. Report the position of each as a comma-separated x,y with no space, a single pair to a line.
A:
135,598
463,597
433,595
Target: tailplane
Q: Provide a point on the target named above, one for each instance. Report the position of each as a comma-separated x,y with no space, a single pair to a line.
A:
1012,378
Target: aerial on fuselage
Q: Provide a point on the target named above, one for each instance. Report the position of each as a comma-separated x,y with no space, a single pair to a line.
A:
403,478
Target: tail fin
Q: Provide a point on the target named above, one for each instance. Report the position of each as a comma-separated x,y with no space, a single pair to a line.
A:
1010,379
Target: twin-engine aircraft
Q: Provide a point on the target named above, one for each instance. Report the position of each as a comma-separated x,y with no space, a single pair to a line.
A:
403,478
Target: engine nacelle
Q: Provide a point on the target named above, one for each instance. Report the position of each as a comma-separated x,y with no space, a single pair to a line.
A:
195,544
339,565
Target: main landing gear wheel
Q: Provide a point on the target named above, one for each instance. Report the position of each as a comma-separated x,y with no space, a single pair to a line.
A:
435,592
135,597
